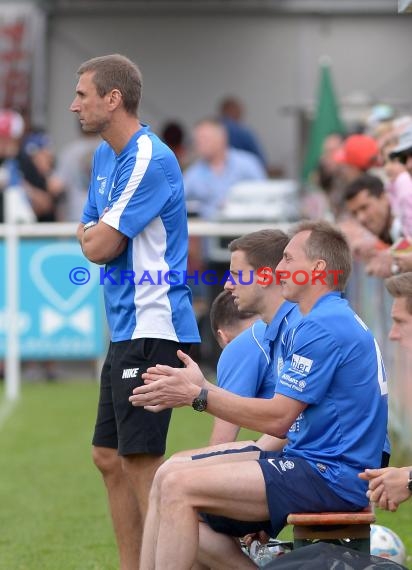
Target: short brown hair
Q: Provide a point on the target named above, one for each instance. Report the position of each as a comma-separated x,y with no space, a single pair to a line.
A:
401,286
224,313
327,243
263,248
116,71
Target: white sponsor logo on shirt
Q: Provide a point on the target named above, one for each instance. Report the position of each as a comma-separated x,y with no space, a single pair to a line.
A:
288,464
301,364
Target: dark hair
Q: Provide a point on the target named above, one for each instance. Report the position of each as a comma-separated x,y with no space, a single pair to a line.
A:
231,107
372,184
401,286
263,248
327,243
224,313
172,134
116,71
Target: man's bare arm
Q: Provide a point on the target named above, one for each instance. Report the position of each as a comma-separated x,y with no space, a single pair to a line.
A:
101,243
175,387
223,432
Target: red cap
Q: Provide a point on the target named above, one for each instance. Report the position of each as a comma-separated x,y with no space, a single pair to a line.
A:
358,150
11,124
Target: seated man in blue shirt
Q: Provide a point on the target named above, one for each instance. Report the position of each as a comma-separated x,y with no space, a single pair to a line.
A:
330,401
249,364
240,335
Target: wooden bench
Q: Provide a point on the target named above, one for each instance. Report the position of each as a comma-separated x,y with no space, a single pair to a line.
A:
349,529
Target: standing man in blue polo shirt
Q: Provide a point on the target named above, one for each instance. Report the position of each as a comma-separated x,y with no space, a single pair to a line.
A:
134,221
330,402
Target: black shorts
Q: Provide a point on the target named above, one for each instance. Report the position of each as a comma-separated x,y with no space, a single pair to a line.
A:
119,425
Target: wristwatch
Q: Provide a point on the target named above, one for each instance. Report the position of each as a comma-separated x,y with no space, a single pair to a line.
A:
200,403
410,482
89,225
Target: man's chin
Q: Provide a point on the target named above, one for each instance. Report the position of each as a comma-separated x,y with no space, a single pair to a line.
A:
289,295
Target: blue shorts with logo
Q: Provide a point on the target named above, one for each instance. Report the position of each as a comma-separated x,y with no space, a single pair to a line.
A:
292,486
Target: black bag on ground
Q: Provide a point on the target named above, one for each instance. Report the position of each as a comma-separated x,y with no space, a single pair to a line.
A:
325,556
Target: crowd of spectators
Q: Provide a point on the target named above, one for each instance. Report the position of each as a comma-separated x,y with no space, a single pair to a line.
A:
364,182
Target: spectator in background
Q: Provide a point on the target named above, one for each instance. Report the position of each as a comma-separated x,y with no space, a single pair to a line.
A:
328,166
391,486
403,150
358,154
231,112
399,188
208,181
397,154
173,134
44,188
369,205
324,199
73,168
11,131
342,160
36,162
216,169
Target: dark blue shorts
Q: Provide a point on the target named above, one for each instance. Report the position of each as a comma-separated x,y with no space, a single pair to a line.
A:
292,486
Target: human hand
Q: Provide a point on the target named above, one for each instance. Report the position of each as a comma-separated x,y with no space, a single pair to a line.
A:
387,486
380,265
168,387
261,536
403,261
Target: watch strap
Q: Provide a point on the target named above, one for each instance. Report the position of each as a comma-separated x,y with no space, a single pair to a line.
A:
200,402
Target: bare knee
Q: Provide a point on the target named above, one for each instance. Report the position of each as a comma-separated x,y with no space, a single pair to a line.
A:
172,487
107,461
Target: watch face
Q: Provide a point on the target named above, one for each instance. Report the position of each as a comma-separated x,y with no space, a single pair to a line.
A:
199,404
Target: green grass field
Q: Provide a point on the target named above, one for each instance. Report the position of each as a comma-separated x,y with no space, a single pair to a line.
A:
53,513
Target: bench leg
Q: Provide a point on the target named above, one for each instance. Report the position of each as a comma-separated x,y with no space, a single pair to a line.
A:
359,536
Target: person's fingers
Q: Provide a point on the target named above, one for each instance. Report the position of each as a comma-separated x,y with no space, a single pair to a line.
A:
392,506
185,358
155,409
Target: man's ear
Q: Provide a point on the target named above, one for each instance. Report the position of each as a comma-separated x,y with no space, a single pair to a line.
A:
319,267
265,276
115,98
222,338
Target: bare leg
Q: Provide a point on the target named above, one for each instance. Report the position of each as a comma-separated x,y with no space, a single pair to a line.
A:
140,470
221,552
199,566
211,487
151,527
123,505
152,523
